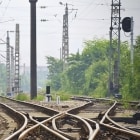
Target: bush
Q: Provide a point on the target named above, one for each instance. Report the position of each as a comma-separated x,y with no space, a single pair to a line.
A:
40,97
63,96
22,97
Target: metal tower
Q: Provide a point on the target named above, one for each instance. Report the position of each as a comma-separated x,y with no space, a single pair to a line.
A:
114,60
12,68
65,38
17,64
8,63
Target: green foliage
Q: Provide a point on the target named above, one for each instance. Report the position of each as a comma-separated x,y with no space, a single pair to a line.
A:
22,97
84,72
95,50
40,97
63,96
136,68
130,73
55,67
93,75
75,74
87,73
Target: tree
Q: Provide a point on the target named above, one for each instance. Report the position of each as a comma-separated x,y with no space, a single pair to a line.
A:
85,70
74,74
130,73
136,68
125,77
95,55
55,67
88,73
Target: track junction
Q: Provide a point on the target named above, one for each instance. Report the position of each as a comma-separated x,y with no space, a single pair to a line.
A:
85,119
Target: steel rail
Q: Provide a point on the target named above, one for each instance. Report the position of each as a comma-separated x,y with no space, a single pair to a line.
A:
55,128
16,113
74,116
42,124
75,109
85,122
49,110
106,116
120,128
96,131
25,133
44,109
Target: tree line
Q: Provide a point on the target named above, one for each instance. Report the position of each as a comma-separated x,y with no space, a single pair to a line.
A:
87,73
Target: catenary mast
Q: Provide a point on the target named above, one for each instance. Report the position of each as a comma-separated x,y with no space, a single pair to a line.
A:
17,63
65,38
114,60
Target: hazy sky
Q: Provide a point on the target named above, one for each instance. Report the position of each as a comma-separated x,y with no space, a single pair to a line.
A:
92,20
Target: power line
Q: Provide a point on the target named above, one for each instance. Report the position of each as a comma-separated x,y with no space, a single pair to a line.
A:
92,19
6,8
7,20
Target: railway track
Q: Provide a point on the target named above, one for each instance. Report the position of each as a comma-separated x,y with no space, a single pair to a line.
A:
93,120
114,130
29,108
11,123
63,126
42,131
34,114
94,109
109,129
128,118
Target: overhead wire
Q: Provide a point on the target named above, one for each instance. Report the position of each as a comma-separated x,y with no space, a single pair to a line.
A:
87,7
6,7
3,13
83,15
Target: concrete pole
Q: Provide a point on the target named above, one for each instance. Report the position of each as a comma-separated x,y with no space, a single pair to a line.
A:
132,48
33,73
8,67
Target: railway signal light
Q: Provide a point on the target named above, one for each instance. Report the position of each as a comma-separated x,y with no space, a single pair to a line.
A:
47,89
126,24
48,95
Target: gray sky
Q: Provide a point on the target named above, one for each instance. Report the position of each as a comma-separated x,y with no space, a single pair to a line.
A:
92,21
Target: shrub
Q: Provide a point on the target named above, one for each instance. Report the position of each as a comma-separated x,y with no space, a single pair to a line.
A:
22,97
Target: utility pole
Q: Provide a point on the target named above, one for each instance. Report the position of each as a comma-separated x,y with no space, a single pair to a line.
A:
127,26
33,73
65,38
8,69
65,35
114,53
12,67
132,47
60,54
17,63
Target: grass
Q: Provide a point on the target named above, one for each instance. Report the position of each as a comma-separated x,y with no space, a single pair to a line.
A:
40,97
22,97
63,96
